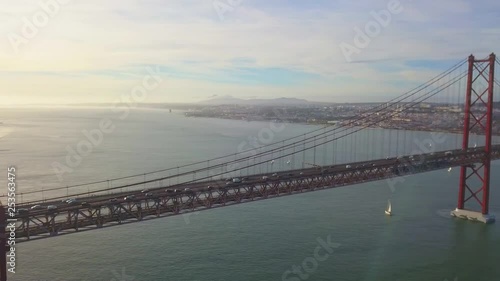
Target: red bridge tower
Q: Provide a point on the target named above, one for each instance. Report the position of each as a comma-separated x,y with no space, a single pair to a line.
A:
475,179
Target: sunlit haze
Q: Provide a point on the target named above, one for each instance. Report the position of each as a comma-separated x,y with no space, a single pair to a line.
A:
250,140
94,51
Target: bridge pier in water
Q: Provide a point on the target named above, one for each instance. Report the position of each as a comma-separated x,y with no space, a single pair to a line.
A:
477,119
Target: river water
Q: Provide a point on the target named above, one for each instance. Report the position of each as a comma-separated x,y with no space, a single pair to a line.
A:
257,241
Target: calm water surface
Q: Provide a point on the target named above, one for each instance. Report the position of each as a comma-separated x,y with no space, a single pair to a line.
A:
256,241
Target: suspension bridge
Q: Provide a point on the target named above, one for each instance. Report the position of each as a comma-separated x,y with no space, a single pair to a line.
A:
292,166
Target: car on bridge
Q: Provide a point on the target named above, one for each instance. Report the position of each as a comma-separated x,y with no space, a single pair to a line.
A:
129,198
72,201
22,211
36,207
51,208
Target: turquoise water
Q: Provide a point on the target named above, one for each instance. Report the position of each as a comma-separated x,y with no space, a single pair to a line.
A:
255,241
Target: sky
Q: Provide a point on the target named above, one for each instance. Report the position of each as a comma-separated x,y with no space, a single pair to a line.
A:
89,51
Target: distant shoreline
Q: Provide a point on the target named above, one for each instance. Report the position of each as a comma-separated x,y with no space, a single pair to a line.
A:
430,130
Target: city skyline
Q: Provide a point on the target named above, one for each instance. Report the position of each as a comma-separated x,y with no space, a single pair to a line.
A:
90,52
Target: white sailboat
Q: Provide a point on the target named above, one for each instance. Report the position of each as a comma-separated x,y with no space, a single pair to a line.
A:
388,211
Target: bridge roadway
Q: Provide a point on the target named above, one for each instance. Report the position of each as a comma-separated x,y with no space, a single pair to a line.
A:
114,209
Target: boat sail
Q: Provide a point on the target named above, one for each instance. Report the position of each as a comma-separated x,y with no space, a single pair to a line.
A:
388,211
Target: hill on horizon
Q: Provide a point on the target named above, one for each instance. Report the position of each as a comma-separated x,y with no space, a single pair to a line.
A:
227,100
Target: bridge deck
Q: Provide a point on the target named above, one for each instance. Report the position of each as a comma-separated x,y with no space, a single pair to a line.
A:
100,211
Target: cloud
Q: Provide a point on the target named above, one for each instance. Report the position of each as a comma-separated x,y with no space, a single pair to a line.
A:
100,46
